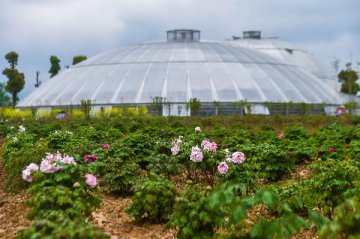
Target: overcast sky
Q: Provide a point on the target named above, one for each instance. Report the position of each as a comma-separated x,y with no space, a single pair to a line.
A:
37,29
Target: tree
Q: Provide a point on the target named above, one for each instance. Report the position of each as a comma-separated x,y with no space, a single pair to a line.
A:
78,59
16,79
12,57
158,102
348,78
55,66
4,98
194,105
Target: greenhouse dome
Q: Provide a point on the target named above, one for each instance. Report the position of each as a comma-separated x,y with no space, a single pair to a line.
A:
286,51
180,69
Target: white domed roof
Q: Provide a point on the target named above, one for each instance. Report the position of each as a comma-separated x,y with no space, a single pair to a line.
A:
284,51
179,71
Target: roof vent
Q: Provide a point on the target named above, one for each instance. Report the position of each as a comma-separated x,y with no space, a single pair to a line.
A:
252,35
183,35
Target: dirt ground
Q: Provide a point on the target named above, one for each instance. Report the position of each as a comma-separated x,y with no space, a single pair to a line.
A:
112,218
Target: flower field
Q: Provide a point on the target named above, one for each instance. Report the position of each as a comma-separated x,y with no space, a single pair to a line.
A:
154,177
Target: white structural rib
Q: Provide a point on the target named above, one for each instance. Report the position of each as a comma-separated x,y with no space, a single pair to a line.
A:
98,89
188,83
141,88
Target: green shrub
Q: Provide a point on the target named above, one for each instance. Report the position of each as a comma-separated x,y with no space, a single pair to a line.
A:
64,191
300,150
153,201
270,160
346,221
20,150
333,181
58,139
58,226
165,165
296,132
193,215
242,174
120,177
221,213
60,199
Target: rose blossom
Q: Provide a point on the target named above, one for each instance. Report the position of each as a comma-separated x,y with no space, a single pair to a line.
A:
197,129
48,166
238,157
26,174
223,168
49,163
90,180
68,160
331,150
105,146
196,154
175,149
21,129
210,146
92,158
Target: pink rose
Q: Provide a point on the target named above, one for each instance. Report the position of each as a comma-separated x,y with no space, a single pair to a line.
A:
223,168
175,149
90,180
238,157
210,146
105,146
196,154
26,174
331,150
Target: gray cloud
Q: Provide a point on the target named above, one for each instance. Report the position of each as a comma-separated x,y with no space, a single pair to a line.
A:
37,29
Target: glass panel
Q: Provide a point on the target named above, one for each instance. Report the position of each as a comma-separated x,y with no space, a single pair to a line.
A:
208,53
151,53
284,83
222,52
114,76
243,80
264,81
177,83
194,53
317,88
132,83
90,82
222,82
200,83
154,82
179,53
165,54
134,55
